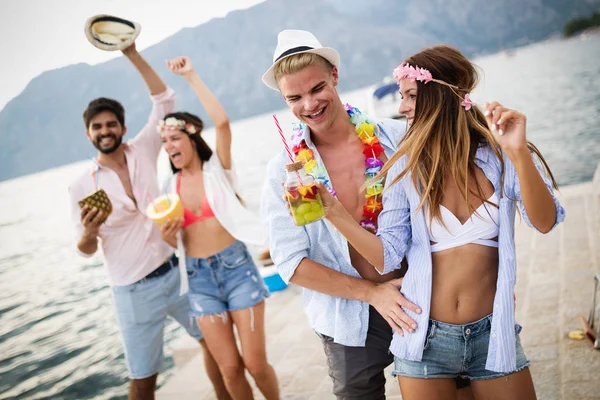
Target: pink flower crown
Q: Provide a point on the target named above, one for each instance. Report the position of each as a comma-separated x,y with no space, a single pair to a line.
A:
174,124
406,71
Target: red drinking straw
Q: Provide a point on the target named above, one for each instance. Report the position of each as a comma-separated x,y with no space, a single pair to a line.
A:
285,144
287,148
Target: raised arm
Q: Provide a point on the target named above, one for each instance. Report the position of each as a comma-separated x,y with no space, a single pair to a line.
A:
535,195
183,66
542,209
153,81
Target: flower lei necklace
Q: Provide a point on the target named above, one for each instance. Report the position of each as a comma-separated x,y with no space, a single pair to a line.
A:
371,149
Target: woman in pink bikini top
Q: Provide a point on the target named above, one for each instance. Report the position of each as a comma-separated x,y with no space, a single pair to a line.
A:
189,217
225,287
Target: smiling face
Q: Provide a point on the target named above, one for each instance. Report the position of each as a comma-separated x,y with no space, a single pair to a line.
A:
408,94
106,132
311,96
180,148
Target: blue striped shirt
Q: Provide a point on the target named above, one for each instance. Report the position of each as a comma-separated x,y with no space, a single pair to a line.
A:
346,321
404,234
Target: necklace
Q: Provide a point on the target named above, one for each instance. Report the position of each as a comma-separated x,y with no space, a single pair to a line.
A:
372,149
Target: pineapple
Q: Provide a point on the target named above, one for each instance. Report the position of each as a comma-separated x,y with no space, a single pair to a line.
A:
98,199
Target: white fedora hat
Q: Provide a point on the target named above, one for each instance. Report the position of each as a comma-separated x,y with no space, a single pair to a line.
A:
110,33
290,42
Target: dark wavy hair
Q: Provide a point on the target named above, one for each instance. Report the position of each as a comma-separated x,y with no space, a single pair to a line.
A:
102,104
202,148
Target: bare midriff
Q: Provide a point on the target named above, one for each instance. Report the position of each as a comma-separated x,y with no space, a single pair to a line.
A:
206,238
463,283
464,278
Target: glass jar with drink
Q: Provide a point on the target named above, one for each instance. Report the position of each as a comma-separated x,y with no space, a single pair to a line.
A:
302,195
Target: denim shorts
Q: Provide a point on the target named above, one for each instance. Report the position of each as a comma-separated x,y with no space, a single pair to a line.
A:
452,351
226,281
141,309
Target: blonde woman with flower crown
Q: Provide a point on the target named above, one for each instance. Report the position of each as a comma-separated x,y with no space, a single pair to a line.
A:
225,286
452,190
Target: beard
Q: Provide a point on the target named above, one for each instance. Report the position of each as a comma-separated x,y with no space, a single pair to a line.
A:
107,150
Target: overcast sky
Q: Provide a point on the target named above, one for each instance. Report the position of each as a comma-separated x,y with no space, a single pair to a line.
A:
40,35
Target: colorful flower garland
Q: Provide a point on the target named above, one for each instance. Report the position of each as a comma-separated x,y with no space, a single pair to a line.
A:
372,149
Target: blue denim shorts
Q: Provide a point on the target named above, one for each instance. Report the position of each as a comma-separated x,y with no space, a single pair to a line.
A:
226,281
141,309
452,351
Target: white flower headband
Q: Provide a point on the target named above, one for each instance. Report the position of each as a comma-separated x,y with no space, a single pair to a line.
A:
174,124
405,70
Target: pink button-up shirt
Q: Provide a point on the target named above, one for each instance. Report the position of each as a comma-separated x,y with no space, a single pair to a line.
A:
131,243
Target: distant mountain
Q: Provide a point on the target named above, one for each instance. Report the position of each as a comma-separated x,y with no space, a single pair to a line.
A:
42,127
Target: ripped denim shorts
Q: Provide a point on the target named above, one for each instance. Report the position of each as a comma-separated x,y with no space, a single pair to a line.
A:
226,281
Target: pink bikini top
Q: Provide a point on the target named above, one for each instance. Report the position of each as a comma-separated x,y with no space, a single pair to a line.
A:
188,216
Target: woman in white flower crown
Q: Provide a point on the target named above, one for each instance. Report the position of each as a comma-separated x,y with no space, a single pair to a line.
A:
225,286
449,207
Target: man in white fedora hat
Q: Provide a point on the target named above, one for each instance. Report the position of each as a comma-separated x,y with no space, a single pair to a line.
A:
349,305
142,268
343,292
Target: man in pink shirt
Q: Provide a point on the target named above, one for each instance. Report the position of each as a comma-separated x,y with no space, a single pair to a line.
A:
141,266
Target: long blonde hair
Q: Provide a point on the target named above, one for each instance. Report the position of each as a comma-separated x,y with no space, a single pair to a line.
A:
443,135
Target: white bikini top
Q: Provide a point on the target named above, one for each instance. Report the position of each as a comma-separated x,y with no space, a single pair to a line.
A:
480,228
